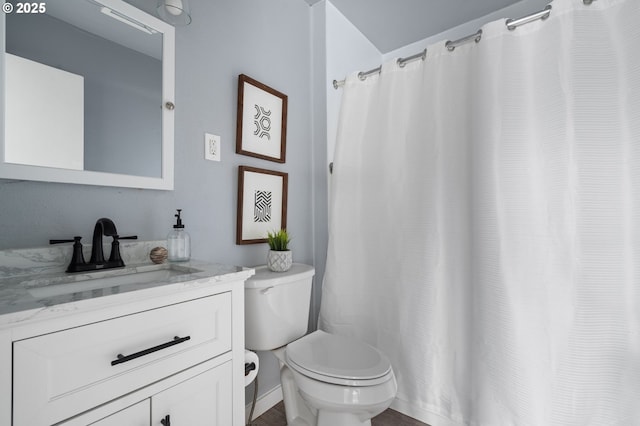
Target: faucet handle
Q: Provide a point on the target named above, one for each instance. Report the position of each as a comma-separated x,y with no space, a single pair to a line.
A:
115,248
77,259
75,240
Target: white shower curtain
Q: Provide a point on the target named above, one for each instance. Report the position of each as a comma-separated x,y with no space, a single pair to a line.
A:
485,222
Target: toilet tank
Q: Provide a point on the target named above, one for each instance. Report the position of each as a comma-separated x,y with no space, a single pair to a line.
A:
276,306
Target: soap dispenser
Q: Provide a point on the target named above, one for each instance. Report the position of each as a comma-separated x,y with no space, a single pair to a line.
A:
178,242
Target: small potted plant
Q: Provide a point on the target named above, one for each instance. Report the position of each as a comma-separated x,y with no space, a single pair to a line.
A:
279,258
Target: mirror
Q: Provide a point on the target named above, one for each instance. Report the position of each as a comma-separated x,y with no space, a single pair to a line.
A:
88,95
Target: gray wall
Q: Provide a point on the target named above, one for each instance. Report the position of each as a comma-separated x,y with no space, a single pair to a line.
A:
320,163
267,40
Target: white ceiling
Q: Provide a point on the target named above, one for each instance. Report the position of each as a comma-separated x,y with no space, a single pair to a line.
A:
391,24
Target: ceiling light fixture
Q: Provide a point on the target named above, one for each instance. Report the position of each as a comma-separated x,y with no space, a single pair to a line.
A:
175,12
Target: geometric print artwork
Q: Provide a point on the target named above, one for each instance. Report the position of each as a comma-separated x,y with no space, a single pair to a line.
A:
261,129
262,203
262,206
262,122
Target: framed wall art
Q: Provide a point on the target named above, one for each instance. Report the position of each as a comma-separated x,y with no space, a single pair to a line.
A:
262,121
262,204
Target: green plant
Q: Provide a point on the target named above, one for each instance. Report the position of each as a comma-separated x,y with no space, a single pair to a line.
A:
278,240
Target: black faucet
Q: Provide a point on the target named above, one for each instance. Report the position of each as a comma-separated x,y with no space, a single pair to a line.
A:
104,227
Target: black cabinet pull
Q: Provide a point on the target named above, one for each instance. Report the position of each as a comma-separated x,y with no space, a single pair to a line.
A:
176,340
166,421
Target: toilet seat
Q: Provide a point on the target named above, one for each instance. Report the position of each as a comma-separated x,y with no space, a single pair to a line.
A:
338,360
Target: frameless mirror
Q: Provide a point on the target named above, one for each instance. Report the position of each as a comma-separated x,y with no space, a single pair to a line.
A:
88,95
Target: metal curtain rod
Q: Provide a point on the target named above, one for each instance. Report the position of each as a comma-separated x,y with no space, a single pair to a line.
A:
404,61
511,24
362,75
451,45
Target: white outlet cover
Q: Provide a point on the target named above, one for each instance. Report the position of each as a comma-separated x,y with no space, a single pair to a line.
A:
211,147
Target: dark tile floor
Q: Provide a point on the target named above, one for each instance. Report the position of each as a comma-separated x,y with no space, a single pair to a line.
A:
276,417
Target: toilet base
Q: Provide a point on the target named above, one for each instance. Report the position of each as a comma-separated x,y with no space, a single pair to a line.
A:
300,413
327,418
296,410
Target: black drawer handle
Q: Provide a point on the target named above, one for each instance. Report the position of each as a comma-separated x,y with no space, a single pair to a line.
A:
176,340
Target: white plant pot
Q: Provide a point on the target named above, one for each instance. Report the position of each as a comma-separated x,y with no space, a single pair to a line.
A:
279,261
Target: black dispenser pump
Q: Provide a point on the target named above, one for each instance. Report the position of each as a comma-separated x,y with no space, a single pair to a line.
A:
178,220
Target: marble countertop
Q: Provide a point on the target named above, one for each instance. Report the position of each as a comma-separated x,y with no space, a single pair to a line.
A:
33,281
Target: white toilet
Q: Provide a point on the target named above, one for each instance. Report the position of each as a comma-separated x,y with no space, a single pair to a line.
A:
327,380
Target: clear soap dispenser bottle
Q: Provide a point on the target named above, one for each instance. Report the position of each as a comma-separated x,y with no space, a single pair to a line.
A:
178,242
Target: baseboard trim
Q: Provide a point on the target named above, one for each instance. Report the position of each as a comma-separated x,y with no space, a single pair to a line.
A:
264,403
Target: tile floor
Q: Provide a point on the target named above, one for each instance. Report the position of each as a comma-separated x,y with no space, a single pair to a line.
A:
275,417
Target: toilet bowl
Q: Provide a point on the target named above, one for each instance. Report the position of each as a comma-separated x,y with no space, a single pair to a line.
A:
347,381
327,379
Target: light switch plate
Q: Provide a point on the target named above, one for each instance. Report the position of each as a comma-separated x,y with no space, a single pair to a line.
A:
211,147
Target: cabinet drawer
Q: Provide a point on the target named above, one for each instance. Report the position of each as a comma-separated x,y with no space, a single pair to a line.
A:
64,373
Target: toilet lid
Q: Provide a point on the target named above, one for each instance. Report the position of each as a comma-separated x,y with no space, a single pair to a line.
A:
337,359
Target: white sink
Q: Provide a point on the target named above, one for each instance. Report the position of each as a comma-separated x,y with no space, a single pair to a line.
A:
108,279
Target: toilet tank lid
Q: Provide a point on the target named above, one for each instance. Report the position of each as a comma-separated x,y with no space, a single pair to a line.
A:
264,277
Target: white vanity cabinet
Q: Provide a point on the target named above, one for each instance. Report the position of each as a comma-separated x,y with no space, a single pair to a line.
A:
171,355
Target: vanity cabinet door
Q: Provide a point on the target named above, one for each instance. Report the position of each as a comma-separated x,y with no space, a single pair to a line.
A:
204,400
136,415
